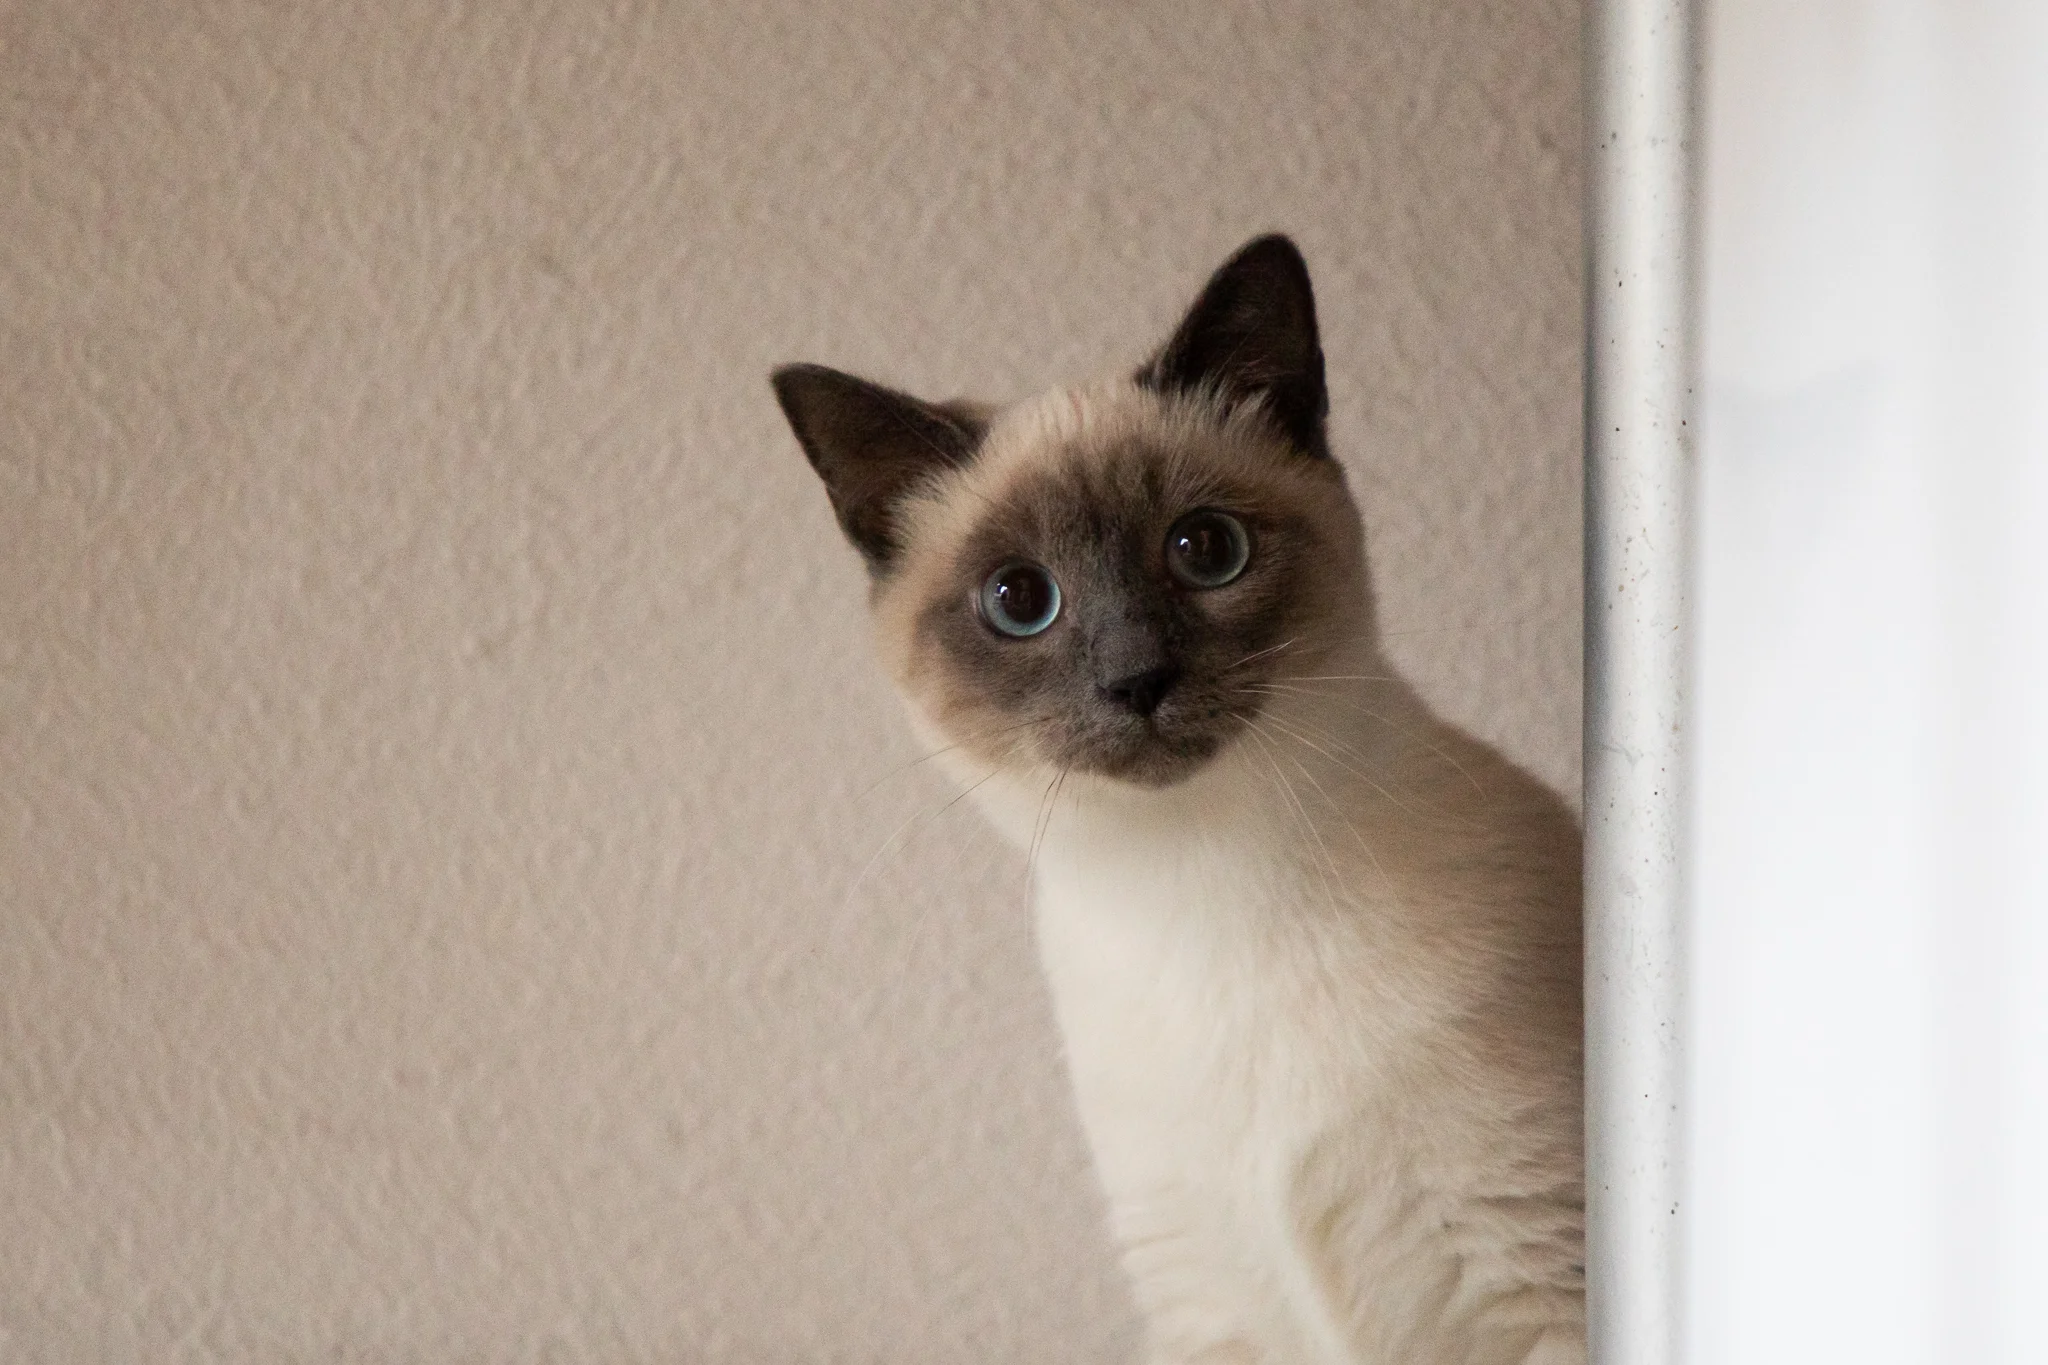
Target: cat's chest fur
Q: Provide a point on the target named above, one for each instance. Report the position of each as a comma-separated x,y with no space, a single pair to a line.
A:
1278,1018
1224,1021
1196,980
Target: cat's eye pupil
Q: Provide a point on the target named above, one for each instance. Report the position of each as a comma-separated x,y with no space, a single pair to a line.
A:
1207,549
1020,599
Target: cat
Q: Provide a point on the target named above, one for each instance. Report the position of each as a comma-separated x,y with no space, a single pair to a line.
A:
1314,952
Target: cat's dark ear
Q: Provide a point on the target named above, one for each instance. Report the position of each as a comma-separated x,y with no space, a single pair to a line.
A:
1252,334
871,445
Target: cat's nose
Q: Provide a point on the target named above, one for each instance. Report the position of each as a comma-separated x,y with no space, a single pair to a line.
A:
1142,691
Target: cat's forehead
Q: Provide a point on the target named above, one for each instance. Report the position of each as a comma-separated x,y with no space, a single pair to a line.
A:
1086,464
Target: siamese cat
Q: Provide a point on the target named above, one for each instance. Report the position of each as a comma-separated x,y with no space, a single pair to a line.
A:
1314,952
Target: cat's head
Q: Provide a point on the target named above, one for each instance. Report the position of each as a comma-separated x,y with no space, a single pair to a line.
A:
1114,579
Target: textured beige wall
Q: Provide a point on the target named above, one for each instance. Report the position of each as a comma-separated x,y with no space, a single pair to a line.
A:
436,724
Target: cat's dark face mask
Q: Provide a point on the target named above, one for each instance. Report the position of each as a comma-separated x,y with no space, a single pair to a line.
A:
1120,614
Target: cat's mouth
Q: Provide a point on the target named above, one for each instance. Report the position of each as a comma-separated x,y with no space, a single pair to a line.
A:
1160,750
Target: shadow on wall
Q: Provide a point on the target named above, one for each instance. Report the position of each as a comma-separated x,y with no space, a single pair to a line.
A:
459,903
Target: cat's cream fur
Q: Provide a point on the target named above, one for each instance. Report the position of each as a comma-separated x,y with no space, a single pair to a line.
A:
1320,992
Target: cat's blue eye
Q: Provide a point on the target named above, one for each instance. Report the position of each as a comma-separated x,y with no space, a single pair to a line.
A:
1207,548
1020,599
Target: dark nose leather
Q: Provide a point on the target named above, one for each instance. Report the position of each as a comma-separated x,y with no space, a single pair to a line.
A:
1142,692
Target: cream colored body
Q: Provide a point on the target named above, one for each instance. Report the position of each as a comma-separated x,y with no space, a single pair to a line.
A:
1319,1013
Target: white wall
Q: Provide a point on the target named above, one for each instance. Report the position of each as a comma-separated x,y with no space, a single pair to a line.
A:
1869,1104
435,712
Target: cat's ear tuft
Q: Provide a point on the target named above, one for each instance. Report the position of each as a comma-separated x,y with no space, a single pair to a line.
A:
871,446
1252,335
